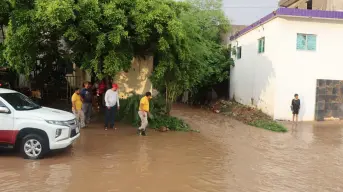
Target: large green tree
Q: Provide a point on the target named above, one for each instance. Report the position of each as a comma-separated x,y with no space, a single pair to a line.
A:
107,34
194,56
34,33
5,10
104,35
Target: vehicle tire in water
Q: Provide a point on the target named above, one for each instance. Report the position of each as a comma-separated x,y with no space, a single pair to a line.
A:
33,147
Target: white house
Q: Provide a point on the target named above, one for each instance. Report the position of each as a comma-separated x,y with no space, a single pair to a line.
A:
291,51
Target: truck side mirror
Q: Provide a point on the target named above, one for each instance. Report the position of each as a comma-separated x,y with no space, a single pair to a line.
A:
4,110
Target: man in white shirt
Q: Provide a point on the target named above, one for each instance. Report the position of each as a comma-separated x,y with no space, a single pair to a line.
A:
112,103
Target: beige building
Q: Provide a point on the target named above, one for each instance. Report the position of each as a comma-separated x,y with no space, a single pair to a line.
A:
327,5
136,80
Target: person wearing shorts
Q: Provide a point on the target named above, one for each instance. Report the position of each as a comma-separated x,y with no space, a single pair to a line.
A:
295,106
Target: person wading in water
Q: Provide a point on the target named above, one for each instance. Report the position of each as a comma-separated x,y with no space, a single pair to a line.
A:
295,106
144,113
112,104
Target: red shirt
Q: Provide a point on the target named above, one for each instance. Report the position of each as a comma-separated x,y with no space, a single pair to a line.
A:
102,87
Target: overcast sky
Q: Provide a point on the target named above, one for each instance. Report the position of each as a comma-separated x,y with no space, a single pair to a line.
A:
245,12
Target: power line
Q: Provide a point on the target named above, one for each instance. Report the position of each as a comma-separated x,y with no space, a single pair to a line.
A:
249,7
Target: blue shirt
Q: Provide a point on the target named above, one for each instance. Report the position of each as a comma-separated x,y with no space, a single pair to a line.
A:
86,95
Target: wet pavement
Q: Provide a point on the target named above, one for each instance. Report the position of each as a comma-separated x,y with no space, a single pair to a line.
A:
225,156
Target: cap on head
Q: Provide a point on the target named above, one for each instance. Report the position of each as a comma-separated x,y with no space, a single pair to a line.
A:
114,86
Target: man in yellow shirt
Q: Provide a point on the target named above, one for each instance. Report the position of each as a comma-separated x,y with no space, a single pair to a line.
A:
77,107
144,112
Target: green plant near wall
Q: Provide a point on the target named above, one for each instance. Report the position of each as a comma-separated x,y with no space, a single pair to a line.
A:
129,113
128,110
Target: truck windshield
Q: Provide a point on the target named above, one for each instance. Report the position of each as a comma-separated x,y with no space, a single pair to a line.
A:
19,101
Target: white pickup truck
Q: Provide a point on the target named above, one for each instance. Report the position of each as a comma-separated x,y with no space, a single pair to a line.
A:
35,130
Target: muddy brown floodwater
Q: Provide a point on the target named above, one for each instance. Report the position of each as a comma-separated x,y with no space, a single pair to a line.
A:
226,156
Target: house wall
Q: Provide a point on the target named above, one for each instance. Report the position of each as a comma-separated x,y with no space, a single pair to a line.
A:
329,5
23,81
253,77
333,5
298,71
78,77
136,79
301,4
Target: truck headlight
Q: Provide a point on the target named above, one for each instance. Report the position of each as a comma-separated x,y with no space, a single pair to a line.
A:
58,133
63,123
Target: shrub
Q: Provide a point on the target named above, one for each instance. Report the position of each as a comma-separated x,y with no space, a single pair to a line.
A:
269,125
249,115
128,110
129,113
172,123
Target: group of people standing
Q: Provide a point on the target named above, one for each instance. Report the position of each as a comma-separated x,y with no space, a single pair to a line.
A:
82,105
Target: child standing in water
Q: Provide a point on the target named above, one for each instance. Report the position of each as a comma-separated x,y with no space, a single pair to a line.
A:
295,106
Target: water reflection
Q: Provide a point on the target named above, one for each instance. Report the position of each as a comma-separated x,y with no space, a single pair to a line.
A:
34,176
59,177
142,161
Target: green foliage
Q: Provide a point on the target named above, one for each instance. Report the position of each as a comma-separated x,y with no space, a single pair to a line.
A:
129,113
5,9
104,35
129,110
172,123
2,59
34,33
269,125
194,56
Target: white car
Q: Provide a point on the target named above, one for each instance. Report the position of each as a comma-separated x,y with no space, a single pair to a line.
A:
35,130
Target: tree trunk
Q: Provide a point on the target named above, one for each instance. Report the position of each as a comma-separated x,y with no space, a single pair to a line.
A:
171,93
168,103
3,33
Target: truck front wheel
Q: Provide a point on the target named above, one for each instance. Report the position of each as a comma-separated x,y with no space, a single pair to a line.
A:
33,147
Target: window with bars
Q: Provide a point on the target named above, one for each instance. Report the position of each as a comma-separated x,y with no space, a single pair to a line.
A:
306,42
261,45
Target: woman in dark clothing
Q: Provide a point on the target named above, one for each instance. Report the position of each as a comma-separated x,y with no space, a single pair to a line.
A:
295,106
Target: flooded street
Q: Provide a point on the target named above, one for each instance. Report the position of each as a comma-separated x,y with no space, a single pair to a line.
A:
226,156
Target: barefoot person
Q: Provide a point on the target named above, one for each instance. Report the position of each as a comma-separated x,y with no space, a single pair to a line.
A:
112,104
143,113
77,107
295,106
